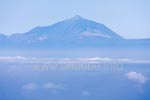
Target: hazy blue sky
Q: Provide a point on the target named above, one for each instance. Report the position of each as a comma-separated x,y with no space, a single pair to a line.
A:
129,18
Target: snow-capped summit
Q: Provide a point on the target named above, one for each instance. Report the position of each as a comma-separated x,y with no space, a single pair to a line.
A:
76,17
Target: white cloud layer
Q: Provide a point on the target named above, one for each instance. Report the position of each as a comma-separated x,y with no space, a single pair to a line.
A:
12,58
137,77
97,59
86,59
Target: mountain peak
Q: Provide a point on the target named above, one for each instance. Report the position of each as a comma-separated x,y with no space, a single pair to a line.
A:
76,17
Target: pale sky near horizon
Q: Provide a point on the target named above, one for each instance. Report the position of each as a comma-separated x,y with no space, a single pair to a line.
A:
129,18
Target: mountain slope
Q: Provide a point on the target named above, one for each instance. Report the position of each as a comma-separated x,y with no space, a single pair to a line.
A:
2,36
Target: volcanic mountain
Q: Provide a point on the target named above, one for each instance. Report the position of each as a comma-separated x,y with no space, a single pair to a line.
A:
76,34
73,30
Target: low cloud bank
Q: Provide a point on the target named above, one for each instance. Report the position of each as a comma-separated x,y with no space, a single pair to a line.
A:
86,59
